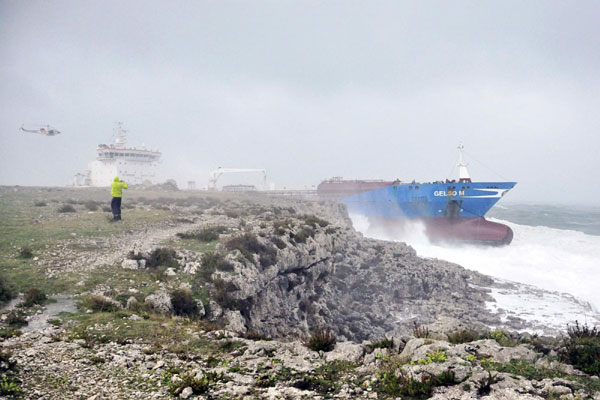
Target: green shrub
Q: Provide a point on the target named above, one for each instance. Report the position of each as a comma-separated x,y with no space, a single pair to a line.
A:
462,336
302,235
582,348
16,318
67,208
9,386
322,339
420,332
132,255
314,221
209,234
326,379
248,244
437,356
221,294
212,262
5,292
91,205
97,304
407,386
256,336
40,204
484,385
33,296
183,303
7,333
384,343
280,244
162,257
198,385
25,252
280,227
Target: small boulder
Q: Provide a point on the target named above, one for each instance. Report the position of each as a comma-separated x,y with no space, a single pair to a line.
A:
187,392
160,302
132,303
130,264
346,351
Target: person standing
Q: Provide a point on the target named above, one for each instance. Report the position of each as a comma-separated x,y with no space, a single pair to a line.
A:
116,190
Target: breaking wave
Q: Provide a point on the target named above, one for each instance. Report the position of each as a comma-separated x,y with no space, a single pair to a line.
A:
558,260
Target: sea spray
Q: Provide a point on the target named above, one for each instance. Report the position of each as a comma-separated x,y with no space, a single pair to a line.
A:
557,260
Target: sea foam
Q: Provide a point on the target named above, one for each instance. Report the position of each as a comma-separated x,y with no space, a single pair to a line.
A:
556,260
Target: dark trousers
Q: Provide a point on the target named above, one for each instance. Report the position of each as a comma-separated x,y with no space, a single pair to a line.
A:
115,205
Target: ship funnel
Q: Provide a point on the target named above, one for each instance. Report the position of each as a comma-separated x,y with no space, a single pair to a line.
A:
463,173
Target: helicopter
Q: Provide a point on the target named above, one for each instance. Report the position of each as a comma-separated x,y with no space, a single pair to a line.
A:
46,130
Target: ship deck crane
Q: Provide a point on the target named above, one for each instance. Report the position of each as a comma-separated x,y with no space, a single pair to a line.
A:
216,174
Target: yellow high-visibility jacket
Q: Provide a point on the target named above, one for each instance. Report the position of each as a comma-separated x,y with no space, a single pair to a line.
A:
116,189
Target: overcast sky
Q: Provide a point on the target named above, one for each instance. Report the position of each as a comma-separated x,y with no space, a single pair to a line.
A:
309,89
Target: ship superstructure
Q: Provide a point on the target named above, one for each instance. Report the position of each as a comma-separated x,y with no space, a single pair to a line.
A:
135,166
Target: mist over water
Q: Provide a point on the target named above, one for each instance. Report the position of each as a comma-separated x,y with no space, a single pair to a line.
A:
561,260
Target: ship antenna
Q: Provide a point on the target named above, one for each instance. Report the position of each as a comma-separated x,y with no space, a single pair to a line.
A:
463,173
121,135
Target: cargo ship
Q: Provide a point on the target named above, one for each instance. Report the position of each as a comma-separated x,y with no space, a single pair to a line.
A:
450,210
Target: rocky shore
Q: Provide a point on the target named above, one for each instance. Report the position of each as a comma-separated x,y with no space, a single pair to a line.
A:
218,296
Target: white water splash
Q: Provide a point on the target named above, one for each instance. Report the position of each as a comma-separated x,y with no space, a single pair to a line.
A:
556,260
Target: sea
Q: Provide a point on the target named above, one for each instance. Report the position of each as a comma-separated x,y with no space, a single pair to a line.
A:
548,276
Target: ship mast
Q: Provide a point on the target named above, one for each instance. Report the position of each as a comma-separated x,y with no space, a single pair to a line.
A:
463,173
120,135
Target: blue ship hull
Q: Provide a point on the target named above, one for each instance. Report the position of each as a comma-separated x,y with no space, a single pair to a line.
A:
429,200
452,211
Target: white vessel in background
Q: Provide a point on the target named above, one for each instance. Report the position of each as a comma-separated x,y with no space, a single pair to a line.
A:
134,166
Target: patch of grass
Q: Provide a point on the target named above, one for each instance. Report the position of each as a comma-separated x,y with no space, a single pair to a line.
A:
40,203
582,348
524,368
322,339
66,208
326,379
183,303
97,304
33,296
162,332
407,386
